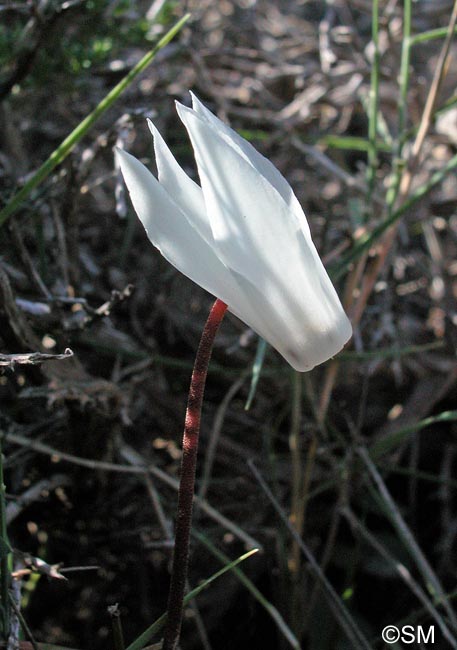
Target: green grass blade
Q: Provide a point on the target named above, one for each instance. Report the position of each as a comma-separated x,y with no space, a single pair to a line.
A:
256,371
336,605
390,353
430,35
271,609
418,475
146,636
83,127
373,103
365,243
404,78
431,580
351,143
393,440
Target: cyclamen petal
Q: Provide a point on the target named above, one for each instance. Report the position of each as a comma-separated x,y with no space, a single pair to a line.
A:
171,232
259,162
186,193
242,236
177,237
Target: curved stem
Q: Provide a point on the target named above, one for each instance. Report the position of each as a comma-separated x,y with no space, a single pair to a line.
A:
187,480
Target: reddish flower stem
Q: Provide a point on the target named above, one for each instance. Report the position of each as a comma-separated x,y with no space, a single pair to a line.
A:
187,480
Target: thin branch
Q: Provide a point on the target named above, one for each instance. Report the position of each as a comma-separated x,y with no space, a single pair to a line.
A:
47,450
32,358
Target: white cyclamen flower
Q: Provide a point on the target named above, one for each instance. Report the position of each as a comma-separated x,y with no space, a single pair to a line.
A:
242,236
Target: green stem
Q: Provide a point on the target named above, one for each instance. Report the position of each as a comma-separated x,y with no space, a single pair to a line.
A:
153,629
339,269
373,101
430,35
402,106
404,72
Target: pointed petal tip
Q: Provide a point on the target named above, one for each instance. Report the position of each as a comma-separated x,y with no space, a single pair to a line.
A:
196,103
122,157
129,165
155,133
182,109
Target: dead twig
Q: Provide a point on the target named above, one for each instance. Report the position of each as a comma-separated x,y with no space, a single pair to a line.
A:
33,494
32,358
211,512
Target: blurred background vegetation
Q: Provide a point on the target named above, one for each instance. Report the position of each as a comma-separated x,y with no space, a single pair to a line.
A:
360,454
